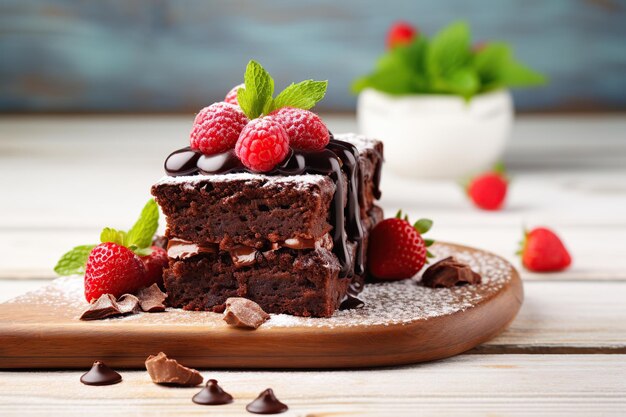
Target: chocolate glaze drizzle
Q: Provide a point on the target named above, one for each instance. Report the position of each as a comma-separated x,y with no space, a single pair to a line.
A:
337,159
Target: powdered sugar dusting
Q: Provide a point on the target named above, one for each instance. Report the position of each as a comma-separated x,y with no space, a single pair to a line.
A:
297,181
387,303
359,141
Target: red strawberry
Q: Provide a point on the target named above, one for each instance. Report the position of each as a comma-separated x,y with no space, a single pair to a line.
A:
217,127
396,248
231,97
488,191
305,129
262,145
543,251
113,269
155,263
400,33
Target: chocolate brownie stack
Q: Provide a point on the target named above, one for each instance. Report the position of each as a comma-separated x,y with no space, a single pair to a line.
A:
293,239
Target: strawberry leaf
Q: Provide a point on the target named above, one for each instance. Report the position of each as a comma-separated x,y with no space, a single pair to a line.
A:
423,225
74,261
118,237
428,242
399,214
140,251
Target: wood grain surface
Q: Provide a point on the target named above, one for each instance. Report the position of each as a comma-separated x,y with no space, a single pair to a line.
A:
568,173
42,330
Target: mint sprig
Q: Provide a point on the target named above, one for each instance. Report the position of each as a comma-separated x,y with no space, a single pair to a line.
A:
74,261
447,64
138,239
256,97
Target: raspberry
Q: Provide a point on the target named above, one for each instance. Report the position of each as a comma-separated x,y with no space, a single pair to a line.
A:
231,97
400,33
155,263
217,127
306,130
262,145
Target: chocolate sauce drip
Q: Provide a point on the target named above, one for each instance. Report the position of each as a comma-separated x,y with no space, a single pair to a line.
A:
100,374
338,157
266,403
350,302
212,394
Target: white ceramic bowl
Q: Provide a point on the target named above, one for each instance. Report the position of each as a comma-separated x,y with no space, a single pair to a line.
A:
437,136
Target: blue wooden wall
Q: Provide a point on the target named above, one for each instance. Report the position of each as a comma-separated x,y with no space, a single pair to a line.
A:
167,55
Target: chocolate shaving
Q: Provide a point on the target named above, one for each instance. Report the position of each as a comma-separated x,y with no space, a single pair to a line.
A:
163,370
128,304
449,272
241,312
151,299
103,307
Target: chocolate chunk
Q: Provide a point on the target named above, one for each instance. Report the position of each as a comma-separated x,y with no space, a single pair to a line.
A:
212,394
160,241
167,371
103,307
151,299
100,374
241,312
350,302
128,304
449,272
266,403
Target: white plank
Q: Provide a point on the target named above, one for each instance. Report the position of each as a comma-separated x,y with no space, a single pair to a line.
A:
556,317
472,385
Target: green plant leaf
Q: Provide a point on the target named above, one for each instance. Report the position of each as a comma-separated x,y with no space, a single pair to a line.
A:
140,251
303,95
449,51
142,232
112,235
259,88
74,261
463,82
515,74
423,225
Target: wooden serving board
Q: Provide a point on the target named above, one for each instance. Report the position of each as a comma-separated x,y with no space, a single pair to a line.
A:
402,322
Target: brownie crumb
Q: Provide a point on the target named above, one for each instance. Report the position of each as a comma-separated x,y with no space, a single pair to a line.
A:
163,370
449,272
241,312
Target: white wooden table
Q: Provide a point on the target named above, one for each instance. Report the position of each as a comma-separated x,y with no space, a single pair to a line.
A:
63,178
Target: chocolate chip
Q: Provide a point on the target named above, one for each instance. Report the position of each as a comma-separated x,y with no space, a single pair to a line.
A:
103,307
212,394
151,299
449,272
163,370
241,312
266,403
100,374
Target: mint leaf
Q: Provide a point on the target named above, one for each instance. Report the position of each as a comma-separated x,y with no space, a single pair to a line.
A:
140,251
303,95
109,234
142,232
489,63
258,90
463,82
74,261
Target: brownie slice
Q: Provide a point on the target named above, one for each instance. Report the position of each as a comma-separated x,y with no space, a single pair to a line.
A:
245,209
270,238
298,282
